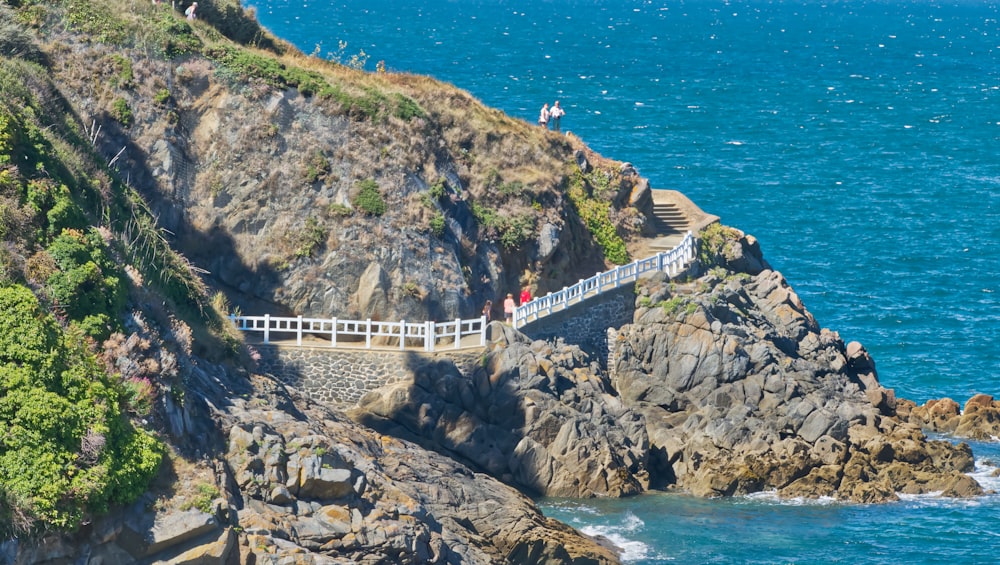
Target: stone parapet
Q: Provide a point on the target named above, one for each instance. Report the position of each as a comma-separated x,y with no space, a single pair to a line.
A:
344,376
586,323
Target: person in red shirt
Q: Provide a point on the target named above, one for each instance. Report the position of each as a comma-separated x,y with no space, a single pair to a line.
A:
525,296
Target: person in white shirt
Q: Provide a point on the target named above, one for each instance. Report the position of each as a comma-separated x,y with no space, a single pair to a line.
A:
555,113
543,118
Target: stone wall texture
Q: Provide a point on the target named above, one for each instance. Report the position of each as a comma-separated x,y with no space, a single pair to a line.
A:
343,376
586,323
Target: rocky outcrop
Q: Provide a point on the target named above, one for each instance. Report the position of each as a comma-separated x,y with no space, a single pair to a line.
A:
296,481
980,419
536,414
742,391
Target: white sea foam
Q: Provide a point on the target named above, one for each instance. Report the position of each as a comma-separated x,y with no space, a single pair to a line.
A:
771,497
618,534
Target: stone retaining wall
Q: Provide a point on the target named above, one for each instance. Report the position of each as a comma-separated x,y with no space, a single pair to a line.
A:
586,323
344,376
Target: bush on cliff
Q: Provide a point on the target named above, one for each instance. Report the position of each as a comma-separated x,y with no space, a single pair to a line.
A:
67,450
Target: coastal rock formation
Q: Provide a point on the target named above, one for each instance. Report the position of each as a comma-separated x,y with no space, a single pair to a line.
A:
293,480
979,419
723,385
742,391
536,415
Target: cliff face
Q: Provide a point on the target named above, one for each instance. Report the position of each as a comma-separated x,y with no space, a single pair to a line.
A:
299,185
723,385
294,204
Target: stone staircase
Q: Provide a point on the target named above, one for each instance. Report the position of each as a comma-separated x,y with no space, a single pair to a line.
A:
673,215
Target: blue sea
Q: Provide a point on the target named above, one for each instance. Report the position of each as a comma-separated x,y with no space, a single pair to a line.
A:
858,141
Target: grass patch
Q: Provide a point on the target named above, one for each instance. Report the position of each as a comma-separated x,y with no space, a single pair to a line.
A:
368,199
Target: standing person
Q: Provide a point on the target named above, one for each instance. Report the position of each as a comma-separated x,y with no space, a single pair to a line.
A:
543,117
190,11
555,113
488,311
508,308
525,296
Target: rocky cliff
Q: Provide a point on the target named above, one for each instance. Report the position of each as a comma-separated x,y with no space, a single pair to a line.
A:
299,185
723,385
307,187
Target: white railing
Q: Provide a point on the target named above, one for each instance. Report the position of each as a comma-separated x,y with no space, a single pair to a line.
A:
360,333
672,262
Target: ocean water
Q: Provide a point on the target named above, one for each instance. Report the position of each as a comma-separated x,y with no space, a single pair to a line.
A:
859,141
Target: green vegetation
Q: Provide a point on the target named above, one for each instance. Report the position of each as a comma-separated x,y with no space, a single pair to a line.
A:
594,213
66,449
205,494
371,103
437,190
338,210
712,244
162,96
125,77
121,111
369,200
87,283
437,224
674,303
98,21
512,231
310,239
317,167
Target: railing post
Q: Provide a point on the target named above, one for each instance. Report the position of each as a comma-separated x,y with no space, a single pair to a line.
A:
659,261
402,335
298,331
482,331
431,335
267,328
333,333
368,334
618,277
458,332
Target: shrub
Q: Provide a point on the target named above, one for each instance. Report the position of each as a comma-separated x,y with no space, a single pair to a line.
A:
162,96
121,111
594,213
438,224
338,210
67,450
437,190
124,76
87,284
369,200
97,20
317,167
311,238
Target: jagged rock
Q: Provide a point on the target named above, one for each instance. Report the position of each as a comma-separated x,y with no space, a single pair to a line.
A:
372,296
537,414
742,391
212,553
146,535
980,418
548,241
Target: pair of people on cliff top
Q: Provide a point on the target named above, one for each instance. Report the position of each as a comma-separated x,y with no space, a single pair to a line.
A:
552,114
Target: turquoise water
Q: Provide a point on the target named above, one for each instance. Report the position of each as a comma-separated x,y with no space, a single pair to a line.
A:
858,141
